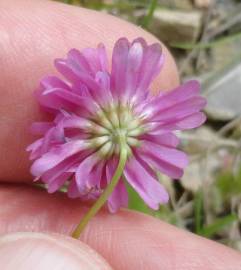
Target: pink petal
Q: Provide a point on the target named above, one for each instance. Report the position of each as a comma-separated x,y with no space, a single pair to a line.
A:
81,90
144,164
50,82
55,156
74,121
103,79
102,57
141,41
180,110
74,74
119,60
57,183
166,139
35,149
53,136
118,198
150,190
92,57
78,60
175,96
111,168
188,122
161,165
167,160
103,95
193,121
62,99
133,66
97,58
66,165
96,175
150,66
35,145
52,102
85,173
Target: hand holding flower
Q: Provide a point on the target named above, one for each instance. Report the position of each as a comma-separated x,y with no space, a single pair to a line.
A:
127,240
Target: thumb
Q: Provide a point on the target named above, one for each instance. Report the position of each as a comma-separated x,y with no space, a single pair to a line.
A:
27,251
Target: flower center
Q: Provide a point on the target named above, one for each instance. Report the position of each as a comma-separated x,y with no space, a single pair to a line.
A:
114,124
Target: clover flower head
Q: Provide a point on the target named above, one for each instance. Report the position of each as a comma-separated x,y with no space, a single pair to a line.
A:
97,112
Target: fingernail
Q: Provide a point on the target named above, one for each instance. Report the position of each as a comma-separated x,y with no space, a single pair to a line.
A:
38,251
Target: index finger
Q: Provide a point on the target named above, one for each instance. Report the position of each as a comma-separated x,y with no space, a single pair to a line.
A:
127,240
33,33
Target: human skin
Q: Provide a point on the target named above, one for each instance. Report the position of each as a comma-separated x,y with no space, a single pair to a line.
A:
32,34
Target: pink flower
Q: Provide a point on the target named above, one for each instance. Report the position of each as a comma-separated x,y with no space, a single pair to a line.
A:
94,107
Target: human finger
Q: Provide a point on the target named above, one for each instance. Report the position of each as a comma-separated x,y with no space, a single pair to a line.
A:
127,240
39,251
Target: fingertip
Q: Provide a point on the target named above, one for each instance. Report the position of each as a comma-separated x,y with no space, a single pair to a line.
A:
25,251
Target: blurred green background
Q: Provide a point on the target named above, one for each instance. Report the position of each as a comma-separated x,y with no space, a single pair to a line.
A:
205,38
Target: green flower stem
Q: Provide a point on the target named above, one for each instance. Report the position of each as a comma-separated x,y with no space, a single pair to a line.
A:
107,192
